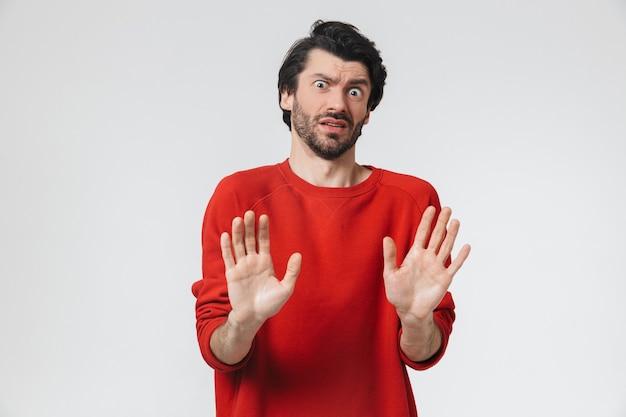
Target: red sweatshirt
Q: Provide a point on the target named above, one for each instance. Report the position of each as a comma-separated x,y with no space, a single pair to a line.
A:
332,351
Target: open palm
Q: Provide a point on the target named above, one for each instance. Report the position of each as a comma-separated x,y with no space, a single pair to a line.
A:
255,292
417,286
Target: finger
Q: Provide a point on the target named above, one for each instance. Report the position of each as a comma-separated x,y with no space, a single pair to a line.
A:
237,238
439,232
448,242
227,253
264,234
249,232
457,263
389,255
423,230
293,270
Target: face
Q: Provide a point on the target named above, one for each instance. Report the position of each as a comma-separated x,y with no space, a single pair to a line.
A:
329,107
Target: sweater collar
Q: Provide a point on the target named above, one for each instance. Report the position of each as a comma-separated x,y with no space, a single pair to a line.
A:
337,192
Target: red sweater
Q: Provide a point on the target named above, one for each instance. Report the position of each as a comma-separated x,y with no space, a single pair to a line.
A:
332,351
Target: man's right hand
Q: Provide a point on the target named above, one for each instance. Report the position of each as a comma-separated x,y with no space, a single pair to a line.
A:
255,292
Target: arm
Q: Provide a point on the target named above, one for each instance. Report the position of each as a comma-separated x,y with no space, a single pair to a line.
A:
254,292
418,285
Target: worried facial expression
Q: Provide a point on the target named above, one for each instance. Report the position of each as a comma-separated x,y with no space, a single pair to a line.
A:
329,106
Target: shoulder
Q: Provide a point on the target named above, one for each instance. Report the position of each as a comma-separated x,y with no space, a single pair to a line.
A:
400,187
247,186
240,191
406,182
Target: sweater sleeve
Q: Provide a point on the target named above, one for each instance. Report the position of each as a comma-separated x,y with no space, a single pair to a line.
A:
444,314
211,292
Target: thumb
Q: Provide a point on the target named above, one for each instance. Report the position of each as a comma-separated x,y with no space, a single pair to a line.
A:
293,269
389,254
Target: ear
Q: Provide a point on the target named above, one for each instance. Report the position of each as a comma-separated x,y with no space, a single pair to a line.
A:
286,100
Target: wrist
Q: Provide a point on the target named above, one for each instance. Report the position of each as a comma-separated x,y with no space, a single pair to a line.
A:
245,327
420,339
232,341
416,322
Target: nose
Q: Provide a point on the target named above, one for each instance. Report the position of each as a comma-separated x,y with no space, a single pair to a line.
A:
336,100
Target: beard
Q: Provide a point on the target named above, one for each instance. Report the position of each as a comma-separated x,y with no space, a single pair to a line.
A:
331,146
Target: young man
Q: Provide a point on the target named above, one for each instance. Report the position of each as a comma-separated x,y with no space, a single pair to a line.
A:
354,286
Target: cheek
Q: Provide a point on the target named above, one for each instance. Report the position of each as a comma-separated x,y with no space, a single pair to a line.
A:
360,112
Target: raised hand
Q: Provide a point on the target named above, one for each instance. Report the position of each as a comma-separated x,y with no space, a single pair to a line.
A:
417,286
255,292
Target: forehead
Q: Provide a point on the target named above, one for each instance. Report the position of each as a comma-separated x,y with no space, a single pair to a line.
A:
322,62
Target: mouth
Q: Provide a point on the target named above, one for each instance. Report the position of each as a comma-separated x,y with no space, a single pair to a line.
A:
333,125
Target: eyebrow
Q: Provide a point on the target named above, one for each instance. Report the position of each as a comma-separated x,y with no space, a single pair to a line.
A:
353,81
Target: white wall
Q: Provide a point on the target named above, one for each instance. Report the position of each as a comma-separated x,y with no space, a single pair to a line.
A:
117,119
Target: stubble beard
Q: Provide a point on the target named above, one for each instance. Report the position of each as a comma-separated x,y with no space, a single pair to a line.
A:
331,147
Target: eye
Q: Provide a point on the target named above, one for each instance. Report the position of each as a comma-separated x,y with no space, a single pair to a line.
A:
321,84
355,92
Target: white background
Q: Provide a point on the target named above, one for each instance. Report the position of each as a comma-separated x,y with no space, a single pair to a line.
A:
118,117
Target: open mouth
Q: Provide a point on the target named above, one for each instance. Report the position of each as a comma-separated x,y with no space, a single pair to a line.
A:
334,123
333,128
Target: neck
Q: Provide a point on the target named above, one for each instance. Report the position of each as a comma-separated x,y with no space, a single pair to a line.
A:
341,172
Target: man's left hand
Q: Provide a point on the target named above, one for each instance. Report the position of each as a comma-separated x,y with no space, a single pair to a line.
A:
417,286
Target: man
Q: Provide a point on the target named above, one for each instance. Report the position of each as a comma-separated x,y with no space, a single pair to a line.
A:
354,286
